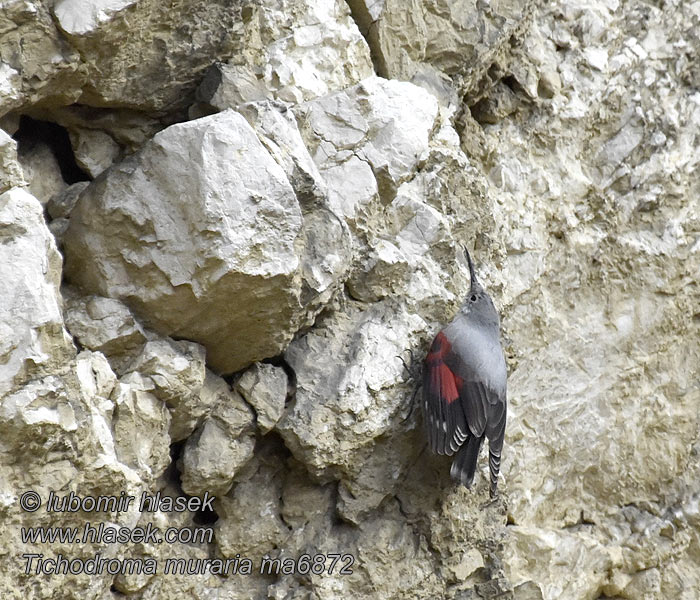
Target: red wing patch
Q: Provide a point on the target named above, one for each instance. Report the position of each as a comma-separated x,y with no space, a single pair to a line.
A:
444,418
441,378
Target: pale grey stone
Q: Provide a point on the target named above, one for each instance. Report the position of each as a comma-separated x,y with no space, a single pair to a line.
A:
346,372
175,372
11,174
158,241
105,325
42,172
141,423
327,241
36,62
33,340
294,50
141,56
62,203
80,18
94,150
460,39
264,387
249,522
367,139
557,141
211,459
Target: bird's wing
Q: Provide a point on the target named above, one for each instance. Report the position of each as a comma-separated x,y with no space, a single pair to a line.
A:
474,398
496,420
495,431
445,418
486,415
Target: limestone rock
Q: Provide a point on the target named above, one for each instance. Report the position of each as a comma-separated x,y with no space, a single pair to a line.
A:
42,172
34,341
500,103
61,204
59,207
319,227
221,444
347,376
327,241
379,471
460,40
81,20
581,549
58,228
175,373
217,398
294,50
212,458
408,248
367,140
105,325
11,174
36,65
615,255
131,237
72,412
141,423
145,55
264,387
390,553
128,128
249,515
94,150
303,502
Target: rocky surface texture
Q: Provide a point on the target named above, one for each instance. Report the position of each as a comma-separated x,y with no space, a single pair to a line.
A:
225,225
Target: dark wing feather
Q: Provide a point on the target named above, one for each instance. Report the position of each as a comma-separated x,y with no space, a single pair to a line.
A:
464,464
495,431
444,416
474,400
486,416
496,420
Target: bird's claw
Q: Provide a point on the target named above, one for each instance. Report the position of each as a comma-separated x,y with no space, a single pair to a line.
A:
410,367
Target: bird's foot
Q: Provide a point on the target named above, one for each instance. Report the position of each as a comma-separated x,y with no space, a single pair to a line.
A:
411,368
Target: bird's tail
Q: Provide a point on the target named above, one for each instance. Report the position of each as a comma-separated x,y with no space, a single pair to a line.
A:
464,464
494,467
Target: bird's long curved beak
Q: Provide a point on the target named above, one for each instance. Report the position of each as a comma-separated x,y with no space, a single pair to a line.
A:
472,274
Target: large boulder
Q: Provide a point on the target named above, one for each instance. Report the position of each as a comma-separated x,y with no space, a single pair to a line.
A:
438,44
292,51
145,55
199,234
33,339
37,65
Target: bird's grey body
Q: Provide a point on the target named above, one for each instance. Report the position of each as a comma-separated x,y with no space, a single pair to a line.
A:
464,386
479,347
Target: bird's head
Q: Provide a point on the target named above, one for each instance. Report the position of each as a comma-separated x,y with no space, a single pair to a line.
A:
478,303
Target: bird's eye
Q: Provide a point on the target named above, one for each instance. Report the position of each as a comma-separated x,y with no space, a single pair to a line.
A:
473,298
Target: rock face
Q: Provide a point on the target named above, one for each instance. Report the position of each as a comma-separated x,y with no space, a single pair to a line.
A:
290,51
38,64
165,46
34,340
264,387
431,43
179,249
230,301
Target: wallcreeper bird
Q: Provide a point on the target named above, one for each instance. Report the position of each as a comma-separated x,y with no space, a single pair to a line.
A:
464,387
